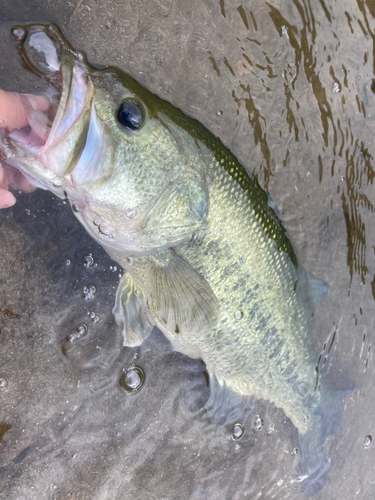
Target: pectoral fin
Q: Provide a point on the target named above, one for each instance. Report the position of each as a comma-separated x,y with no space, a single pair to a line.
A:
180,299
130,312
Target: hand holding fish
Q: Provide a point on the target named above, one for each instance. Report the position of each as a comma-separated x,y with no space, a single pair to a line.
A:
14,111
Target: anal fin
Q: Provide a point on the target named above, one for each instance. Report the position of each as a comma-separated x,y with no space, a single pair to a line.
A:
130,312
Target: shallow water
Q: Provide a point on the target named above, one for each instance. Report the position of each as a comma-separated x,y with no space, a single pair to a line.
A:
288,86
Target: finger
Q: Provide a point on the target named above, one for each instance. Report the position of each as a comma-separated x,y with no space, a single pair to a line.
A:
4,183
21,184
38,102
6,199
14,108
15,179
12,111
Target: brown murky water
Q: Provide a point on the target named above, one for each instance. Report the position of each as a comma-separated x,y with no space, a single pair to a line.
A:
289,86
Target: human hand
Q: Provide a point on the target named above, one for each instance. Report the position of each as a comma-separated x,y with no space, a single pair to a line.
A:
14,110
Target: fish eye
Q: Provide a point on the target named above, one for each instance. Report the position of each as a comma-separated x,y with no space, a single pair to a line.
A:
130,114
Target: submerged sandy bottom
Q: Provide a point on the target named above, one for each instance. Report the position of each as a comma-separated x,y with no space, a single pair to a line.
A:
288,87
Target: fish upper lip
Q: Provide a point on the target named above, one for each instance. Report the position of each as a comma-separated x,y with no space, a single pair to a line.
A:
66,72
75,99
47,168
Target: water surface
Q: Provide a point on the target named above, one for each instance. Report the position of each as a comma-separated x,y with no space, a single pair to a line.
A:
289,87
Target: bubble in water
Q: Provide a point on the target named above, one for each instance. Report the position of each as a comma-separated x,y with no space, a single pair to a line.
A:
258,423
368,441
89,292
295,451
94,317
238,315
6,152
336,88
18,33
88,261
80,332
219,113
75,208
133,379
238,431
67,262
3,382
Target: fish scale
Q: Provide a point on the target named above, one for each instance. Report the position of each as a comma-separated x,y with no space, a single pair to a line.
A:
288,324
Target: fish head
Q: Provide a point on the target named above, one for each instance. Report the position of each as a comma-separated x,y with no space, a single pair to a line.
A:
133,174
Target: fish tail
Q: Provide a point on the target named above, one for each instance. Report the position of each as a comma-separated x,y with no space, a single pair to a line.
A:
314,463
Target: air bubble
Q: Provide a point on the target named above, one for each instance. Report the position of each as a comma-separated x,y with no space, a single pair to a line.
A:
3,382
133,379
238,431
75,208
57,181
80,332
219,113
67,262
258,423
89,292
336,88
94,317
18,34
88,261
367,441
295,451
6,152
238,315
105,229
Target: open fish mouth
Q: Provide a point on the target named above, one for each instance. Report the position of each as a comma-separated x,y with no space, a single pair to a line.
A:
54,139
62,150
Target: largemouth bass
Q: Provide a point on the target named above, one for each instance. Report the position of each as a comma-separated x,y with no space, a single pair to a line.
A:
205,257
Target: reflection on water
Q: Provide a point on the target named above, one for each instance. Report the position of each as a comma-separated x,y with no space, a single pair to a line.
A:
289,87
